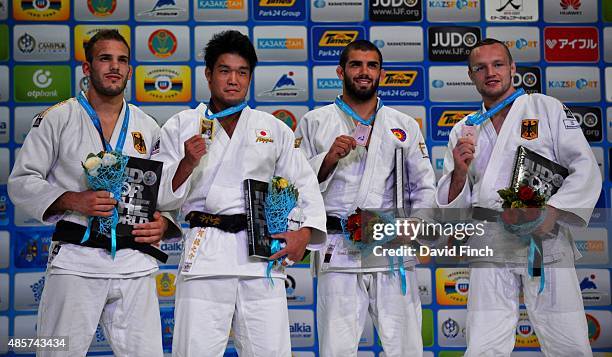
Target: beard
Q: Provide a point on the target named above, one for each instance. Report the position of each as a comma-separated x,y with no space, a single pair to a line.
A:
109,91
358,93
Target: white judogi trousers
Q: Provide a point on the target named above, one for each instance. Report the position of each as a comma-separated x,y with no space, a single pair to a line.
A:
345,299
209,309
127,309
556,314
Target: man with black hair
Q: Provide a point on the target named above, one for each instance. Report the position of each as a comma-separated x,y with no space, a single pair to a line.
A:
478,162
210,151
351,145
84,284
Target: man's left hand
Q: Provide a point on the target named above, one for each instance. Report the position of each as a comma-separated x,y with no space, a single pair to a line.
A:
296,244
151,232
552,214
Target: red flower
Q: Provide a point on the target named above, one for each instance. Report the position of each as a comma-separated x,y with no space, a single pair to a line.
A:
510,216
525,193
353,226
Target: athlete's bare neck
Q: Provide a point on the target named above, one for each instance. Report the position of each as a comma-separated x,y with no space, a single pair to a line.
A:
108,109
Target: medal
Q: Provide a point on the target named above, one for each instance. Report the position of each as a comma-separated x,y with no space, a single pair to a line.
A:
364,127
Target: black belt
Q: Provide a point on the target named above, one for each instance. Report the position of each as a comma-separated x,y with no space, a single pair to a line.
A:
228,223
334,225
69,232
490,215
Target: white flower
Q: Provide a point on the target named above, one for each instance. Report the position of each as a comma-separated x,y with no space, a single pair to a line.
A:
109,159
94,172
92,164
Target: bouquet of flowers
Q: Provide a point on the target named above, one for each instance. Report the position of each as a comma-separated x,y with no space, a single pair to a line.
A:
282,197
522,209
105,171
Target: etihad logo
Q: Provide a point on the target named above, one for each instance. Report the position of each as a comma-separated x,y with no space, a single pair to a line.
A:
280,43
451,117
398,78
335,38
276,3
221,4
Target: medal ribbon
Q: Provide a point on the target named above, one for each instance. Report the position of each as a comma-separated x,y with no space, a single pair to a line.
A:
350,112
225,112
107,147
480,117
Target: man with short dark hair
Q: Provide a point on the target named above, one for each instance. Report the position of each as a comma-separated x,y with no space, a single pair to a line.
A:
479,161
220,289
352,146
84,284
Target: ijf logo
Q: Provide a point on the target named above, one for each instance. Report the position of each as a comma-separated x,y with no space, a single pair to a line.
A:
395,10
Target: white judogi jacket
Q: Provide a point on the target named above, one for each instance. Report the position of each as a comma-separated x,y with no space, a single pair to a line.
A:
560,139
49,164
216,185
366,178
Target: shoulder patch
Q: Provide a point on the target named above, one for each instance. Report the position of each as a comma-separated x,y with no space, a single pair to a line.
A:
40,116
570,121
155,149
400,134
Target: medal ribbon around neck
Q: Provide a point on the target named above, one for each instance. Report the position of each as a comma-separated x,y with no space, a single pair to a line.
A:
107,147
481,117
350,112
225,112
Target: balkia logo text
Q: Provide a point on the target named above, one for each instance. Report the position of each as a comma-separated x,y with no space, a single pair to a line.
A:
460,4
300,328
280,43
334,38
580,84
276,3
398,79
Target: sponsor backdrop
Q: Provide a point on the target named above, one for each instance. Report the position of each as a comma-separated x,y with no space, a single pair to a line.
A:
562,48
